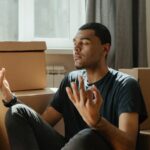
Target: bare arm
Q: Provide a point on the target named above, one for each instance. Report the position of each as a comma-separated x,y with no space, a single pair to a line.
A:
122,138
51,116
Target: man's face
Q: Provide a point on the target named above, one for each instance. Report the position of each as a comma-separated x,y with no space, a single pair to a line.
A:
88,51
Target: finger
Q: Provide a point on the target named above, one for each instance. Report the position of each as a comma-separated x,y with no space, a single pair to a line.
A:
82,91
89,94
2,71
5,83
75,91
97,95
2,76
70,94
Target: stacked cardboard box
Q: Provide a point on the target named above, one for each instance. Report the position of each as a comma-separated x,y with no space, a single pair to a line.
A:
4,144
142,75
37,99
24,63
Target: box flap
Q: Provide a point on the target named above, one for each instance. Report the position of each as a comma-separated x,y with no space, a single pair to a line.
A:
22,46
37,99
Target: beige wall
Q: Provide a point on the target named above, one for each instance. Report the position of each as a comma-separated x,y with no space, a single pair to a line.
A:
148,28
61,59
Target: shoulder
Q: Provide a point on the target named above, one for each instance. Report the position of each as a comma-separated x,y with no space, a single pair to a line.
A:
73,75
123,78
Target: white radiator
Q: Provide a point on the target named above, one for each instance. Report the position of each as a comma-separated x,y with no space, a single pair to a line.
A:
55,74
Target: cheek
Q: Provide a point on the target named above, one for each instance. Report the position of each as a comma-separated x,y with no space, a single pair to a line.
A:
96,56
92,52
91,58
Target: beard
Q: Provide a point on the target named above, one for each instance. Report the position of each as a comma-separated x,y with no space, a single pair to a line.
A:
92,66
79,67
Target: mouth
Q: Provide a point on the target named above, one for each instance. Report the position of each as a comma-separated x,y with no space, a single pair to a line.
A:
77,57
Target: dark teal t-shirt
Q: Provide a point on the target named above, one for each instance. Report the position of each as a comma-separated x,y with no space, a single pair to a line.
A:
121,93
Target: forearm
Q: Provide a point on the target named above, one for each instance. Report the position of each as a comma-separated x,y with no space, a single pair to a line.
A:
7,95
117,138
53,118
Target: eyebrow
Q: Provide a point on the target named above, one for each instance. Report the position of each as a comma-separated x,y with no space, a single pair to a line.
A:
86,38
83,38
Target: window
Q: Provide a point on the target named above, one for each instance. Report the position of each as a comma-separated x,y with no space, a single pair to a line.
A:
53,21
8,20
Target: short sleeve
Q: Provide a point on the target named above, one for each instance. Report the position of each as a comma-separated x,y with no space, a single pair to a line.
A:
131,99
60,96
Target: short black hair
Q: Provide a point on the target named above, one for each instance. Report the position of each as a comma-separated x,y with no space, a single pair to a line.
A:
101,31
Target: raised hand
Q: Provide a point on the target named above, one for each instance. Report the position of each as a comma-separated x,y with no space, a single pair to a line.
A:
1,77
4,86
88,103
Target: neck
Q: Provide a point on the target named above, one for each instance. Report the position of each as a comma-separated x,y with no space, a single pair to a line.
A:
96,74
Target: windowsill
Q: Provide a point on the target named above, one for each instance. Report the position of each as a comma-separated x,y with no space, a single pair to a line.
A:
59,51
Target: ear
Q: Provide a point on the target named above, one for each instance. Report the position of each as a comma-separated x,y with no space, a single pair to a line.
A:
106,48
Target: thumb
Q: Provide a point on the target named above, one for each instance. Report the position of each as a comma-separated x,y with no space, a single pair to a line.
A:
2,76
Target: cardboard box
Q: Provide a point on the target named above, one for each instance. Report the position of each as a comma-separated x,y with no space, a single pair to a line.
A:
25,64
36,99
4,143
142,75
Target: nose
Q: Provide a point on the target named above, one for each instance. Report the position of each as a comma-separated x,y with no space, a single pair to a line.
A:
77,46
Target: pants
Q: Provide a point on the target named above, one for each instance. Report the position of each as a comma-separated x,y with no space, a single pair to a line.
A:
27,131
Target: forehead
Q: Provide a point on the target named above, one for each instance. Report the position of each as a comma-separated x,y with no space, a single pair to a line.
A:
87,33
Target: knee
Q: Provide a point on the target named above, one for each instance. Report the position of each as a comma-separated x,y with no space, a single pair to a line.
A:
84,136
13,112
87,139
18,111
81,141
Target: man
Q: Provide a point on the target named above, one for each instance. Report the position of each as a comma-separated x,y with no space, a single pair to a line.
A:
101,107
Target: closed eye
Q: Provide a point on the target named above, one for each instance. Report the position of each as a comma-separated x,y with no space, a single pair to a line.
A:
82,41
86,42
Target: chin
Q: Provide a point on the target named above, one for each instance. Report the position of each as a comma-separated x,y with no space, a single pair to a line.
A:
78,66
